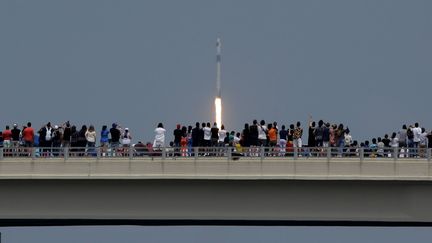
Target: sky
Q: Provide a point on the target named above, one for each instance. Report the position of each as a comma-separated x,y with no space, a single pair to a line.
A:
366,64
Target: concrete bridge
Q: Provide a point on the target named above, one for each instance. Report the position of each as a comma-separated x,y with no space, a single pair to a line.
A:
215,191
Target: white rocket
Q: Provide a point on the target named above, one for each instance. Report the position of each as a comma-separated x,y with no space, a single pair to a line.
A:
218,67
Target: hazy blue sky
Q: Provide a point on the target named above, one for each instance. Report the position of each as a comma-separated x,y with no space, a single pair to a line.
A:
367,64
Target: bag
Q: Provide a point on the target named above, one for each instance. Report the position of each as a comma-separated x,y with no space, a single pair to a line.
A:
319,134
410,133
48,135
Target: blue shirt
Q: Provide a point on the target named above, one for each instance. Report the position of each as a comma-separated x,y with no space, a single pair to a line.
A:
104,136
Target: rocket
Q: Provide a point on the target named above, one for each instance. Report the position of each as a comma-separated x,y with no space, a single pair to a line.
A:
218,67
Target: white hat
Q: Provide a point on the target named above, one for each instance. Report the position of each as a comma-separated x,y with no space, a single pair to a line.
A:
55,127
126,128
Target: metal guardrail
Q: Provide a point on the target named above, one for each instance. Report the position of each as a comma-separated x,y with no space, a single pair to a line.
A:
230,153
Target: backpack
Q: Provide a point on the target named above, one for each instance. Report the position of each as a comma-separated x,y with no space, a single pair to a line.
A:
319,134
48,135
410,133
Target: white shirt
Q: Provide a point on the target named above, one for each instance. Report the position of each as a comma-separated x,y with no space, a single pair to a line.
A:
394,142
423,139
160,134
416,131
90,136
262,132
207,133
222,135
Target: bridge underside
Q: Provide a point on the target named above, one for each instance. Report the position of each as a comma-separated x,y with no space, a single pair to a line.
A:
214,202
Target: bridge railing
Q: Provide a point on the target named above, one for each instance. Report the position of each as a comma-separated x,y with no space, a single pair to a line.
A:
208,153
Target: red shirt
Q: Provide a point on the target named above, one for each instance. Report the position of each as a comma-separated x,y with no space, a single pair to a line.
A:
7,135
28,134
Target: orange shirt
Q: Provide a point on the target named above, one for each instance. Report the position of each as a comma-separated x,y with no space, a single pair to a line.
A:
272,134
28,134
7,135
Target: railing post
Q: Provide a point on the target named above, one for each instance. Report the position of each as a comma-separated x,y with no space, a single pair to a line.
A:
66,153
229,153
196,151
262,153
361,151
1,154
33,153
98,151
164,153
429,152
295,152
395,153
130,152
328,150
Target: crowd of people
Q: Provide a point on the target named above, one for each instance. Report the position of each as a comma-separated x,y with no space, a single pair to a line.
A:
281,140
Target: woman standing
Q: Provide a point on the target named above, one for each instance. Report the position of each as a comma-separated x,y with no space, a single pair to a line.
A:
159,141
90,136
104,140
126,138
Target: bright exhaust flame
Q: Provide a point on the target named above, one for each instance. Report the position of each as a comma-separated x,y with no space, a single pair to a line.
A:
218,106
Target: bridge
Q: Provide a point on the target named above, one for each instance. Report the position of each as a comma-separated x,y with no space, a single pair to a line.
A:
260,188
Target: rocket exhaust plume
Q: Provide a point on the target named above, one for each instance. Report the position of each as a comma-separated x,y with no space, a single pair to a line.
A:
218,99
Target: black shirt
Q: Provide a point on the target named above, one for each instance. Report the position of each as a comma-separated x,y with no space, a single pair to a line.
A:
283,134
15,134
386,142
326,134
196,139
67,134
177,135
215,133
253,132
115,135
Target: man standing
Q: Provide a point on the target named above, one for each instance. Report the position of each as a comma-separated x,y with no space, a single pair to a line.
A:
196,140
115,138
214,135
417,131
7,137
177,136
298,133
28,135
16,136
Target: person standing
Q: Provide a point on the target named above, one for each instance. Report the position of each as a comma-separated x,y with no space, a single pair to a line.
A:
126,138
207,135
16,136
177,136
283,134
28,135
298,133
115,138
222,136
159,141
417,131
262,134
214,135
90,136
7,138
311,133
104,139
196,140
67,134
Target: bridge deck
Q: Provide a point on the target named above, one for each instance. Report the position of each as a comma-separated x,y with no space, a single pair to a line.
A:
217,168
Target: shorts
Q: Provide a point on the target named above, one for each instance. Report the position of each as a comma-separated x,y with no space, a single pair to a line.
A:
7,144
